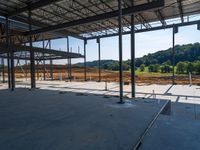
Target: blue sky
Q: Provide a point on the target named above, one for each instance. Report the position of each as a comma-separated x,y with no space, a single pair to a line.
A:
147,42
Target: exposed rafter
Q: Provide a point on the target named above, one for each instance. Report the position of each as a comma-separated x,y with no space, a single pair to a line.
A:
32,6
160,17
180,9
104,16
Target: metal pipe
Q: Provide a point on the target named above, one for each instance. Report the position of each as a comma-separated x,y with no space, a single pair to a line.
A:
120,52
133,56
32,57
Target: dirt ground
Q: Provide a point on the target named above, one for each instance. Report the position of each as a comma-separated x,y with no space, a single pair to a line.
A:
61,72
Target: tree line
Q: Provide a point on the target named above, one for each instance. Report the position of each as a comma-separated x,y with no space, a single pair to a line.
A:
186,59
183,67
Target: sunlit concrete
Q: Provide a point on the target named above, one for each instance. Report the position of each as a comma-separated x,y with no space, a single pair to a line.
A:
46,119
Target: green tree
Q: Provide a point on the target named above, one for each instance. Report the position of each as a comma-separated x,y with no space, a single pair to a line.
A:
154,68
197,67
181,67
165,68
142,67
190,67
151,68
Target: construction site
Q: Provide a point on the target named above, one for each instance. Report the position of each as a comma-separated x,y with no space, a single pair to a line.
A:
44,105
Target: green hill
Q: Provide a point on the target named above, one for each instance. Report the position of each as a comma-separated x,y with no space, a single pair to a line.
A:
188,52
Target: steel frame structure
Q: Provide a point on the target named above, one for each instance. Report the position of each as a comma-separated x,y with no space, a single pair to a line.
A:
26,21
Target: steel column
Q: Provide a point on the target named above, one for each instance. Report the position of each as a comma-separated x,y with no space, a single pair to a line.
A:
99,61
132,56
37,70
174,31
173,53
12,66
85,75
3,70
51,63
8,50
26,71
120,52
32,57
69,61
44,73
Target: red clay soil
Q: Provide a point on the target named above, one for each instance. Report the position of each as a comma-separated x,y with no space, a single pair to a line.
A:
110,76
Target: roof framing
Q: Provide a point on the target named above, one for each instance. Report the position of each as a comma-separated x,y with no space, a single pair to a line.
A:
100,17
93,18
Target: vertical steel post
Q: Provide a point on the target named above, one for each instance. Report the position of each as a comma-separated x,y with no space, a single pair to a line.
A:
174,30
12,66
70,68
85,75
32,57
3,70
8,52
26,70
132,56
99,62
44,73
51,63
68,65
37,70
120,52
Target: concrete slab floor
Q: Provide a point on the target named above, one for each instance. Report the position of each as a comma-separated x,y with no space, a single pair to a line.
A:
185,109
46,119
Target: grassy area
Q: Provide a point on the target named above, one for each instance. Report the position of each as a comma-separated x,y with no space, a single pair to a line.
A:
146,72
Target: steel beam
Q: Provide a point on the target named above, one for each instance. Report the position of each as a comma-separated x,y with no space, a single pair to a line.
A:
32,56
32,6
180,9
126,11
120,52
85,67
146,30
